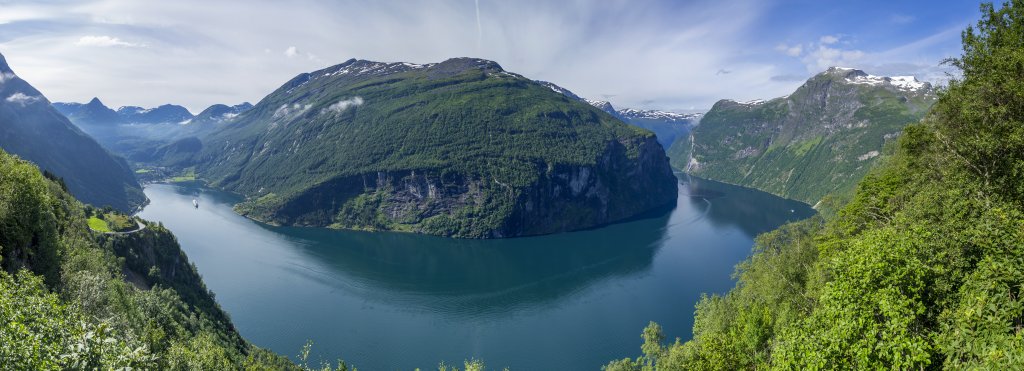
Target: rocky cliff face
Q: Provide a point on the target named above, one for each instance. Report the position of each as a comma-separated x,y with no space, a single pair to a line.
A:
563,198
819,140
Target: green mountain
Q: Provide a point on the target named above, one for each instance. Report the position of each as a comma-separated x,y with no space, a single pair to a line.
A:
35,131
922,270
458,148
819,140
72,298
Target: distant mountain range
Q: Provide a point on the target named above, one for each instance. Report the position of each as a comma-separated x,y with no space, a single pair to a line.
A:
139,133
668,126
820,140
459,148
33,130
96,113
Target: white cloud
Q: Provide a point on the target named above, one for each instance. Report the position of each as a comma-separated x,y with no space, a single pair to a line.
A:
901,60
22,99
829,39
199,53
4,76
291,52
792,51
823,57
662,54
344,104
287,112
105,41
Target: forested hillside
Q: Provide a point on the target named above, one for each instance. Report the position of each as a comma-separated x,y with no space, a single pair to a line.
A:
65,302
459,148
923,269
821,139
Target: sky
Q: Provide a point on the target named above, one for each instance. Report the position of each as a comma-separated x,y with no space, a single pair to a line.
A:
649,54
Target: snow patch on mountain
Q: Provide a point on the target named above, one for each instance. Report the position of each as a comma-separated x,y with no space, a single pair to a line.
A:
904,83
658,115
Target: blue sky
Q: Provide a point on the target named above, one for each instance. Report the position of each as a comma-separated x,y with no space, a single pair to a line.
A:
674,55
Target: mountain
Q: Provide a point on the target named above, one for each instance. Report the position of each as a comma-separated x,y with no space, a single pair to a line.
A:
33,130
559,89
219,113
602,105
92,113
136,132
667,126
167,113
95,113
821,139
459,148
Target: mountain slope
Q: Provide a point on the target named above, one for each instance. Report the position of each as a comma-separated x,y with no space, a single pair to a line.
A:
821,139
220,112
458,148
33,130
65,299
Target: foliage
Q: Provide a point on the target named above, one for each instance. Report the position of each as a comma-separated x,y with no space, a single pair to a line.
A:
64,303
921,269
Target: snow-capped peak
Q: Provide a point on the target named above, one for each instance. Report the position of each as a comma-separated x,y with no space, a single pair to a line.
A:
749,102
657,115
602,105
904,83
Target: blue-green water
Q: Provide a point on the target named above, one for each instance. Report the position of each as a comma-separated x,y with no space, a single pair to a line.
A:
392,301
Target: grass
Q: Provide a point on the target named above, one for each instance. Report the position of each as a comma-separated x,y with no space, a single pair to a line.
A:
119,222
111,222
187,176
98,225
143,171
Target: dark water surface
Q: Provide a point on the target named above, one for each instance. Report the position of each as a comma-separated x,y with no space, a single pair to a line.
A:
392,301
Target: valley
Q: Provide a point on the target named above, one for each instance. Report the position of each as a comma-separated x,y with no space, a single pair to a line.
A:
619,193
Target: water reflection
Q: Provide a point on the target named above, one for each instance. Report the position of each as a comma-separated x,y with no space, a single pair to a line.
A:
729,205
478,276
